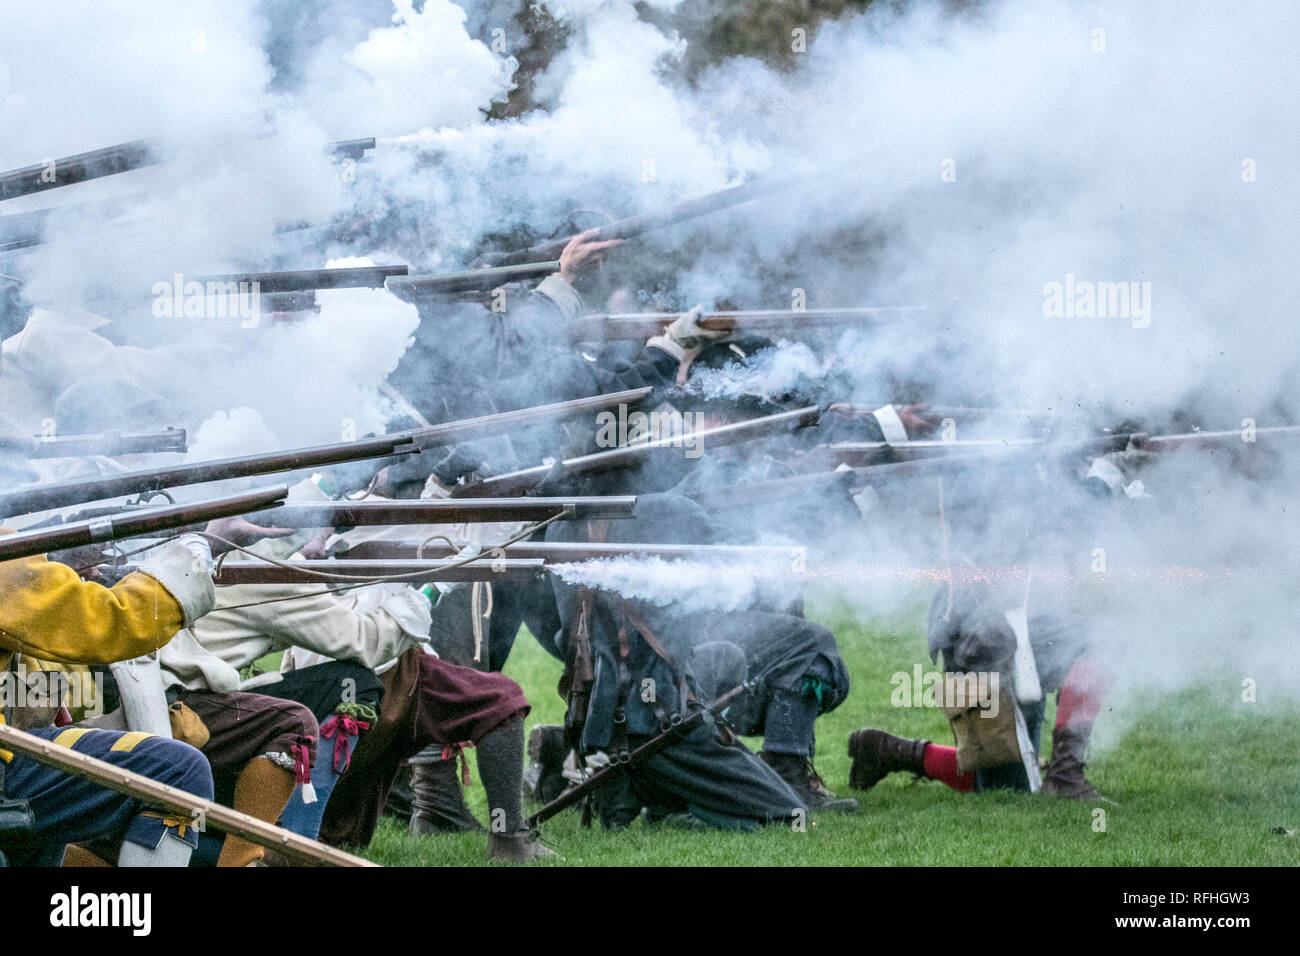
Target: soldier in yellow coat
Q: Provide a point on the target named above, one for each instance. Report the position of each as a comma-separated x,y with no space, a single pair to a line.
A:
47,612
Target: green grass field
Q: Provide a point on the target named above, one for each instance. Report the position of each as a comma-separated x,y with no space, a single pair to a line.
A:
1199,778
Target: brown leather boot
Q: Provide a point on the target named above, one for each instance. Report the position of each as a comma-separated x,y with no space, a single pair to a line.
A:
1064,776
798,772
518,847
262,790
877,754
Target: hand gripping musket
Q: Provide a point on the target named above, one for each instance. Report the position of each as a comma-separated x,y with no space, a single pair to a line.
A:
633,453
643,325
111,444
195,811
634,226
133,523
668,734
44,497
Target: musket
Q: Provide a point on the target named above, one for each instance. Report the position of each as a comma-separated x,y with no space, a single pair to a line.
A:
499,423
291,291
110,443
1030,451
420,288
963,413
634,226
19,230
352,148
79,167
147,482
197,811
423,511
873,452
626,456
135,522
667,735
410,571
1027,454
551,553
109,161
967,411
398,511
1211,439
297,280
643,325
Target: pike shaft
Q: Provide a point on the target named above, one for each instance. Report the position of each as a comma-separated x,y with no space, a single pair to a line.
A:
169,798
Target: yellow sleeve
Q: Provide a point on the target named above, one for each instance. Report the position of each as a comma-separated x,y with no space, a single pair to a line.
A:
47,611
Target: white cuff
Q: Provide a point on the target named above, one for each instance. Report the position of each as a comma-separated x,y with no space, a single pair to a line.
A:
565,296
891,426
664,344
1106,470
186,574
199,547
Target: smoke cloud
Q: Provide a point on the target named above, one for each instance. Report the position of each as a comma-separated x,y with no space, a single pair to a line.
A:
1093,202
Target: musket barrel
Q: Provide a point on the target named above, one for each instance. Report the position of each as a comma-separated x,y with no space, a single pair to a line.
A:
337,514
412,571
634,226
80,490
111,444
111,160
641,325
723,435
486,426
77,168
1008,456
1214,438
304,280
135,522
627,455
568,552
870,452
352,148
940,465
1013,452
